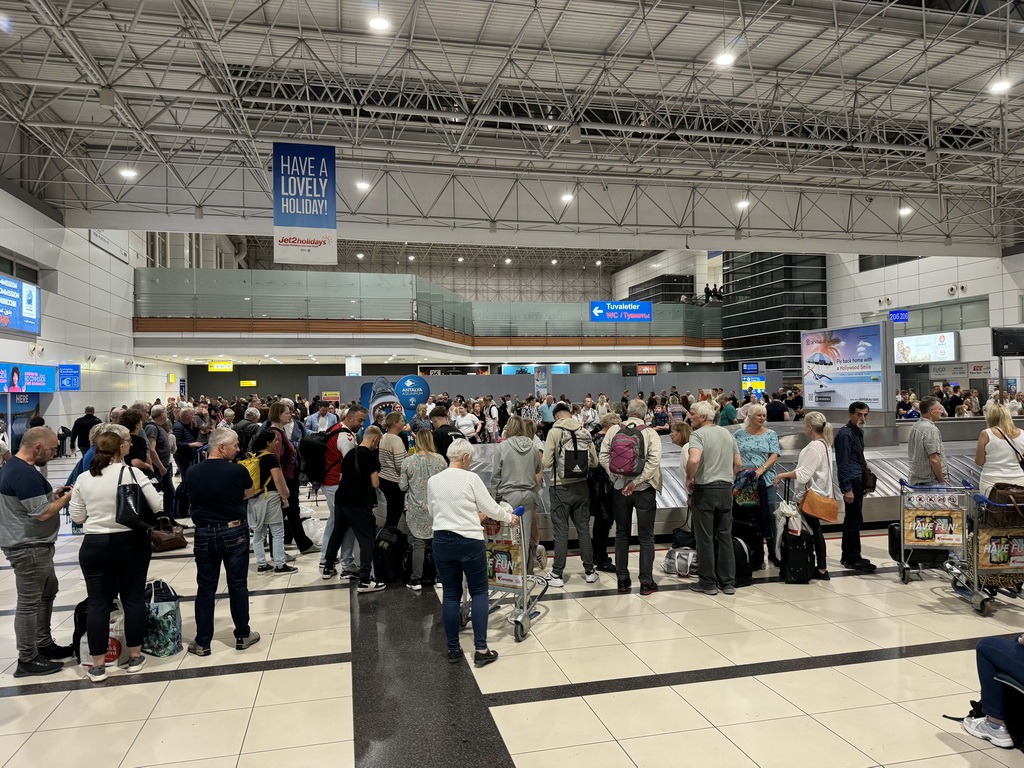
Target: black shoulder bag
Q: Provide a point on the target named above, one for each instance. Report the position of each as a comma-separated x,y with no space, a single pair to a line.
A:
132,509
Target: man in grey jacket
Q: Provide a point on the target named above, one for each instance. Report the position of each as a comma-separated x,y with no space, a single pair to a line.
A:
567,442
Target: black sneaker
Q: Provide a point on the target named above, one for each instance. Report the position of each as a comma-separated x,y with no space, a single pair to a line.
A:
285,570
607,566
483,659
454,657
624,586
648,587
329,572
823,576
265,568
859,564
38,666
55,652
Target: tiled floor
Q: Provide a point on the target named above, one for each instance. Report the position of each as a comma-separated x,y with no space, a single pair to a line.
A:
603,679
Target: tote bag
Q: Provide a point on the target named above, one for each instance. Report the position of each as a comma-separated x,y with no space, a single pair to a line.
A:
822,507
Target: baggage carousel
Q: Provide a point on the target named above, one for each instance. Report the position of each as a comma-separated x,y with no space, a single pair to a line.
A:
889,463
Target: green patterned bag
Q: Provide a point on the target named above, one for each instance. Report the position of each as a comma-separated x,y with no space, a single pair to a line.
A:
163,620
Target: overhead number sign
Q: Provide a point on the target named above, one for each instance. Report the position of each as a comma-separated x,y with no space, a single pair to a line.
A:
220,366
621,311
899,315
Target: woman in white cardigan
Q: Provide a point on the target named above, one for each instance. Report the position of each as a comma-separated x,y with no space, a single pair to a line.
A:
114,558
814,470
459,503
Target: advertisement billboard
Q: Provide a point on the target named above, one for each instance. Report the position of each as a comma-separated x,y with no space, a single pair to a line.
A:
19,305
844,365
27,378
930,348
512,370
305,204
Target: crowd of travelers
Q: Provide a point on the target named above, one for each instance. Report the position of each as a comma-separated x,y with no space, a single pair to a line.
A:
603,458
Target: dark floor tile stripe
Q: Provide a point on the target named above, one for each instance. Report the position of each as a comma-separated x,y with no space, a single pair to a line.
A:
411,706
116,679
533,695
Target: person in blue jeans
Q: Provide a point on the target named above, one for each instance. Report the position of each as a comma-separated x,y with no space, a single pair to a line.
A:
217,490
994,655
459,503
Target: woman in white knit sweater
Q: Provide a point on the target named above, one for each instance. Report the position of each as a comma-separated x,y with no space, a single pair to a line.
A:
459,503
114,558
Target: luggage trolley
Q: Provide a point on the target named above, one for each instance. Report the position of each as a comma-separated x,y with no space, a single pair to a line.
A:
507,575
993,564
932,519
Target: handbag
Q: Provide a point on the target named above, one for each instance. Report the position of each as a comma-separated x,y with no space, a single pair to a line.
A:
822,507
163,620
132,510
1010,495
868,481
117,646
167,535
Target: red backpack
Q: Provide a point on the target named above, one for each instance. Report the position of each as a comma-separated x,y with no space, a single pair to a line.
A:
628,451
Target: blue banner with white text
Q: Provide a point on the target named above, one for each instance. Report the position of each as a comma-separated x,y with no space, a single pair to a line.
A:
305,204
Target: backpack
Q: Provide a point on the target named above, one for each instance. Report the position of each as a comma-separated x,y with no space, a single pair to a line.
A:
313,452
252,465
573,463
81,619
628,451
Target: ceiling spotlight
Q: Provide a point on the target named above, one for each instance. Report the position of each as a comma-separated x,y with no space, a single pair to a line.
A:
575,134
508,261
362,185
725,59
931,157
554,261
129,173
461,259
1000,86
597,263
567,197
107,98
947,241
412,258
743,204
738,234
492,227
905,211
360,255
379,23
199,213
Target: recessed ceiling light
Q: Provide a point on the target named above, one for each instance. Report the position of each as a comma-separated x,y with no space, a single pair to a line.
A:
129,173
725,59
597,263
743,204
362,185
360,255
508,261
461,259
412,258
567,197
905,211
1000,86
379,23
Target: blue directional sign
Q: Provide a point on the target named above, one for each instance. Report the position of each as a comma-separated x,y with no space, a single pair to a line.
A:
621,311
899,315
69,377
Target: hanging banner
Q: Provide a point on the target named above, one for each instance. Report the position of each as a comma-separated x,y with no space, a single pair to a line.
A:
540,380
305,205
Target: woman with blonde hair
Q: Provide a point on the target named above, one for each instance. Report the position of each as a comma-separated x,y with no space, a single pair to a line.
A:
814,472
1000,450
759,451
420,420
602,405
417,469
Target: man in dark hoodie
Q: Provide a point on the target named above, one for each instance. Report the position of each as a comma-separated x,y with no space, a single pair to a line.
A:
569,451
515,478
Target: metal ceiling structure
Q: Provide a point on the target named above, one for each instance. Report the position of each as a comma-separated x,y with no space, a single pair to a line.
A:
583,122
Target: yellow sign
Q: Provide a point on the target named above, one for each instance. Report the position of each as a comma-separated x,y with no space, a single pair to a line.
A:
247,383
330,395
171,378
220,366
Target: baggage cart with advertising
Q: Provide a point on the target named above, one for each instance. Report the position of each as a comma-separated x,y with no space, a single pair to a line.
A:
932,525
993,564
507,576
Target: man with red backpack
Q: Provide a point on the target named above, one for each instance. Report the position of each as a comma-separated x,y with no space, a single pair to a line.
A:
631,455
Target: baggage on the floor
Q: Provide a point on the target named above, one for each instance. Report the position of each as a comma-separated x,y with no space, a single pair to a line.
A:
681,561
798,558
81,616
388,554
117,646
748,528
429,576
163,620
914,557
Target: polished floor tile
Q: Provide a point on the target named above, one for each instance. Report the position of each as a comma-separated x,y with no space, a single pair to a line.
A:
584,665
527,727
753,647
302,723
285,686
562,635
188,737
740,700
106,745
514,673
664,656
605,755
338,754
960,666
779,615
208,694
891,632
645,712
891,734
712,622
824,639
902,680
821,690
638,629
705,747
618,605
128,703
24,714
795,741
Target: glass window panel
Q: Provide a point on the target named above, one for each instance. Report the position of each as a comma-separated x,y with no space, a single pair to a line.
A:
931,319
975,314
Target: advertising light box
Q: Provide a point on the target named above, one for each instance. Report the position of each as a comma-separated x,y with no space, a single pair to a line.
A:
19,305
930,348
844,365
27,378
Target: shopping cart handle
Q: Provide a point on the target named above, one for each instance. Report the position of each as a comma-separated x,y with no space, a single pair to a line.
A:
981,498
969,485
519,511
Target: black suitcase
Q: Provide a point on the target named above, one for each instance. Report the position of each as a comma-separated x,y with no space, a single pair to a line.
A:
746,526
429,577
798,559
388,555
914,557
81,617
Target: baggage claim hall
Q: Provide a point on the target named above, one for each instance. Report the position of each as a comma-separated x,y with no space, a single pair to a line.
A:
584,235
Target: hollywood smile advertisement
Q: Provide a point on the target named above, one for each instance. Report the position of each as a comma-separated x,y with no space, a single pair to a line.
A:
841,366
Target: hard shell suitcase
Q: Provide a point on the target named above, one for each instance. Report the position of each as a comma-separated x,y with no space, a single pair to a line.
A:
797,557
913,557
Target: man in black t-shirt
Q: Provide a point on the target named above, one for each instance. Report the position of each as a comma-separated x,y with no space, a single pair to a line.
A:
776,409
444,432
217,489
354,503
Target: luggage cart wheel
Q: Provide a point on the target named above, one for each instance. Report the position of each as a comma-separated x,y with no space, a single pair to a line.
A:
905,574
981,604
520,631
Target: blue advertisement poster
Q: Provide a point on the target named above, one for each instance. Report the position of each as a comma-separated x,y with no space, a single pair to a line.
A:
19,305
305,204
24,406
842,366
511,370
408,392
27,378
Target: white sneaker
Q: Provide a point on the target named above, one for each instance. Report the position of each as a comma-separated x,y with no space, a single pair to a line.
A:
983,728
591,577
370,586
554,581
540,560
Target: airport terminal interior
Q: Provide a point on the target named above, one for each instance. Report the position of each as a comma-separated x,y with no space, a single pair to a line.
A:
404,202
